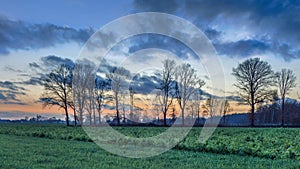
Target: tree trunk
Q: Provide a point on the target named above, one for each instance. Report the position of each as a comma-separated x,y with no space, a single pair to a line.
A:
131,104
66,106
165,118
67,116
224,116
252,109
94,114
90,115
282,111
124,114
118,117
75,117
198,117
117,110
81,117
182,116
99,114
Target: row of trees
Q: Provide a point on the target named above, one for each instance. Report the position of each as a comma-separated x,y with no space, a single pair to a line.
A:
80,88
181,83
258,83
75,87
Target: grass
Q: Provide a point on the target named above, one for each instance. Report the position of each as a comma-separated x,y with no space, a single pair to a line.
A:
271,143
34,152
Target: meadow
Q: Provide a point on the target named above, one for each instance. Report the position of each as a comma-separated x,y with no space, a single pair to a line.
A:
57,146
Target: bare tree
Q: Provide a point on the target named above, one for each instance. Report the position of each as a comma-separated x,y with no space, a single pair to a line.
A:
131,94
186,82
198,94
117,78
227,108
286,81
79,85
156,104
254,79
167,86
73,106
209,106
123,100
58,90
196,99
82,80
90,98
101,87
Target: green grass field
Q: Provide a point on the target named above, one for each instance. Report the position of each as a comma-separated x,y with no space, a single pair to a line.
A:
55,146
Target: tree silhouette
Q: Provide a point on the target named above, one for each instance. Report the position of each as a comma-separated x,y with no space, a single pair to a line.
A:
227,108
186,85
254,79
167,86
58,89
286,81
101,87
83,80
117,81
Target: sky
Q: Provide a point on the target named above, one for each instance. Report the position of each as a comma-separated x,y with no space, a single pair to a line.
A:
36,36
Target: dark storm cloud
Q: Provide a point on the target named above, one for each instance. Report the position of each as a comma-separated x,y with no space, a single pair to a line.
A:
15,35
146,41
277,21
250,47
242,48
278,15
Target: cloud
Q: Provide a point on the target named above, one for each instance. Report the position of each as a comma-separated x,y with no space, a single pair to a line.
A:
34,65
8,68
146,41
249,27
10,85
212,34
9,93
2,97
33,81
144,84
45,65
105,67
168,6
234,98
286,51
242,48
52,60
19,35
250,47
14,103
256,19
